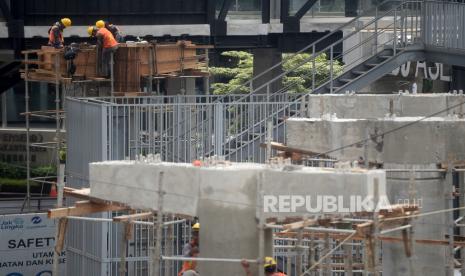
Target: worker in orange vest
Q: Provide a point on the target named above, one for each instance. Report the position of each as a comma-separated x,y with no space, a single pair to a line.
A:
189,267
115,30
106,45
270,267
55,33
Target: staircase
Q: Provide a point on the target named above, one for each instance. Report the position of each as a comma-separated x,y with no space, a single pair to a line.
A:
392,44
408,31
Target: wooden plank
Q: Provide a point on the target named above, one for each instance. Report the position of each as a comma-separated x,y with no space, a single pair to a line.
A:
300,224
133,217
81,193
62,226
30,51
455,164
36,62
84,209
282,147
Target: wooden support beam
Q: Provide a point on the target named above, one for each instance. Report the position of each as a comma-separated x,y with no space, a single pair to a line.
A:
282,147
407,243
82,193
84,209
299,224
132,217
62,226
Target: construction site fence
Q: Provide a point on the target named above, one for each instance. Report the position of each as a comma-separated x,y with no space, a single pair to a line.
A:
179,128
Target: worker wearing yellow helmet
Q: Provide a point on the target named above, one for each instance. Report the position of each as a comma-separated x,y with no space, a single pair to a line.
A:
194,242
270,267
55,33
115,30
107,46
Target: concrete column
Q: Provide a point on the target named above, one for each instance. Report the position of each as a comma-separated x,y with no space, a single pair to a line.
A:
263,59
180,86
275,9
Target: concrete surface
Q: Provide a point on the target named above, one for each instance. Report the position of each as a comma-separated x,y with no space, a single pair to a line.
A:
226,199
429,141
377,106
412,145
427,189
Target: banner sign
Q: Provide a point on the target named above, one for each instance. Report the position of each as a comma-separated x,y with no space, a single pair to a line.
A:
27,245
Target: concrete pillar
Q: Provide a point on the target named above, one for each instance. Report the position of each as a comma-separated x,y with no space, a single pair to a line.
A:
180,86
427,190
263,59
419,146
275,9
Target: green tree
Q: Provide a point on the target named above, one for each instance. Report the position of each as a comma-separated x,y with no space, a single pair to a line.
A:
232,78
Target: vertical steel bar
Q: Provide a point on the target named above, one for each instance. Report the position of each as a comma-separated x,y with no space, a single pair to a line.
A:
4,111
157,252
348,262
449,204
313,67
261,223
376,30
112,76
395,32
28,150
331,69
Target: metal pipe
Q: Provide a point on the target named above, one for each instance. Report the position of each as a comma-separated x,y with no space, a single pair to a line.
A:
199,259
4,111
28,150
396,229
314,229
313,67
331,79
157,255
415,170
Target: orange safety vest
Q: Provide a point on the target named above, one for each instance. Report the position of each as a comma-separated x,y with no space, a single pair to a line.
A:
51,35
279,274
187,265
108,40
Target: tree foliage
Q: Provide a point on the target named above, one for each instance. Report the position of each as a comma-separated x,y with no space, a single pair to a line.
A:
231,79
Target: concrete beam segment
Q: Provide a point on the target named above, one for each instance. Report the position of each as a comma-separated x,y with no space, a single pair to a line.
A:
137,185
233,186
226,199
432,140
357,106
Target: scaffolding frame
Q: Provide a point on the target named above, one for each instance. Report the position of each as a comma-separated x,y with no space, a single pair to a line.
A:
316,242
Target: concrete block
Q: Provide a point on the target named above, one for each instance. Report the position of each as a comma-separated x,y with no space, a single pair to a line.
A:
226,199
429,141
373,106
136,184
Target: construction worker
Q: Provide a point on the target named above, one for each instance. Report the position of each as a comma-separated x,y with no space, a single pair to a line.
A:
270,267
112,28
194,241
55,33
189,267
106,46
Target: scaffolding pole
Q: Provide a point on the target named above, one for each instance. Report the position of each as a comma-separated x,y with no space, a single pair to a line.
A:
156,258
28,150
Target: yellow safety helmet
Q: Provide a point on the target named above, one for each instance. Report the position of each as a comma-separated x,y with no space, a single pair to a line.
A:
196,227
269,261
91,30
66,22
100,24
